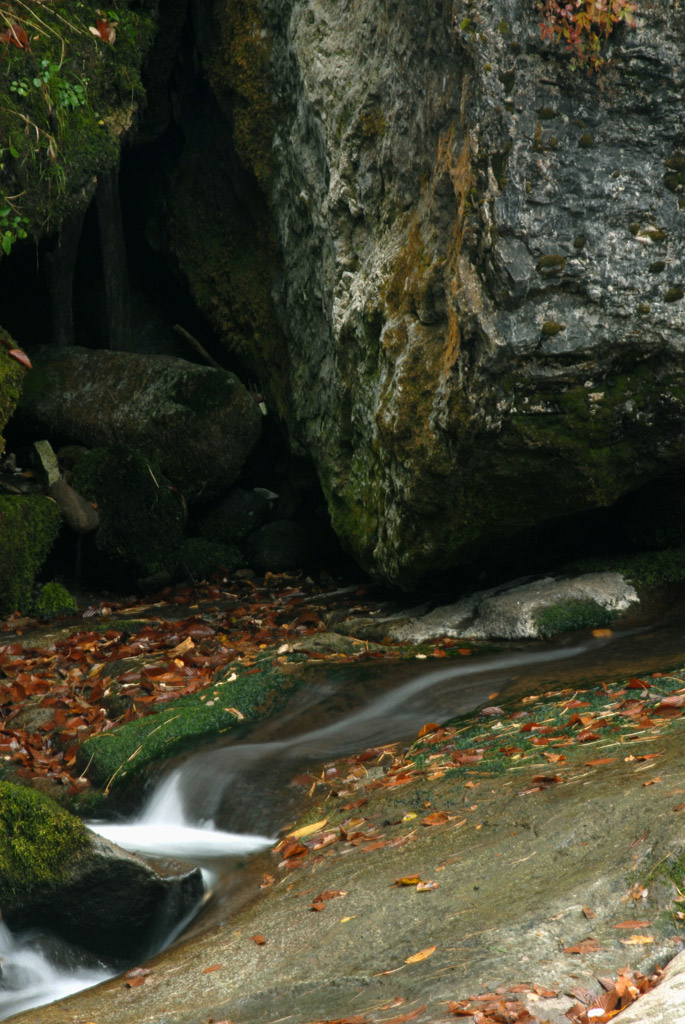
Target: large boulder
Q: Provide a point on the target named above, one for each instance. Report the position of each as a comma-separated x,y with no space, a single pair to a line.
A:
57,875
481,281
199,423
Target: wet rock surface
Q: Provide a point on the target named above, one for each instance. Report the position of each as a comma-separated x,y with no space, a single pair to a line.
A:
526,873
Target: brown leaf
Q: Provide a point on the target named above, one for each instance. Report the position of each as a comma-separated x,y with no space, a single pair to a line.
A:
589,913
679,807
407,880
259,940
427,886
423,954
427,728
436,818
632,924
584,946
595,762
266,881
214,967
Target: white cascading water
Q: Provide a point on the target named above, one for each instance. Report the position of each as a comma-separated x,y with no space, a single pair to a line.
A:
208,780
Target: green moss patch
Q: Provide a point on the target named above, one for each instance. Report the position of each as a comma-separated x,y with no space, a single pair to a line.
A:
67,96
572,614
37,839
115,759
54,600
28,528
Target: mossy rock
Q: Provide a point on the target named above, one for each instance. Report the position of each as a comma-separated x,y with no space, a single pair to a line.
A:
141,515
11,375
56,874
572,615
37,840
201,558
54,600
29,525
123,756
79,95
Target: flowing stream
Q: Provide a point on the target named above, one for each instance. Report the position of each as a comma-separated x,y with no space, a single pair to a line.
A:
221,804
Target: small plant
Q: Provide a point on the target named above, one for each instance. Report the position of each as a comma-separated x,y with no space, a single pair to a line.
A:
12,226
584,27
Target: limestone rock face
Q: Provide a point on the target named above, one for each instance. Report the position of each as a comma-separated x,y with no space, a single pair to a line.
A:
480,260
198,422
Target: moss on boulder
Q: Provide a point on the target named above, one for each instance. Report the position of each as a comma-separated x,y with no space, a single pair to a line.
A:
11,375
54,600
67,98
37,840
28,528
56,874
141,515
124,755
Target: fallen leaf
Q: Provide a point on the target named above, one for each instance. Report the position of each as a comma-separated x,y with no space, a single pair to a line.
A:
584,946
436,818
426,886
407,880
638,940
423,954
427,728
259,940
595,762
589,913
307,830
214,967
679,807
632,924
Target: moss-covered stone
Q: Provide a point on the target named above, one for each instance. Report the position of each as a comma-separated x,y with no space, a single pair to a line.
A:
66,101
201,558
53,600
28,528
141,515
118,758
570,615
37,840
11,376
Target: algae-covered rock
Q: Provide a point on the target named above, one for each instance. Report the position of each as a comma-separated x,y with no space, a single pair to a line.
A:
141,515
54,599
56,874
197,422
29,525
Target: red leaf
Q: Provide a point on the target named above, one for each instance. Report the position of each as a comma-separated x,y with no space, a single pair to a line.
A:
259,940
214,967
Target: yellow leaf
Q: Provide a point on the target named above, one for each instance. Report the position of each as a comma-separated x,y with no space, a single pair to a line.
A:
423,954
638,940
409,815
234,711
344,919
307,830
